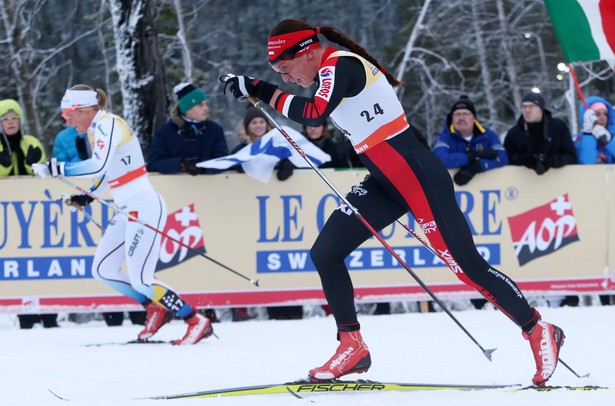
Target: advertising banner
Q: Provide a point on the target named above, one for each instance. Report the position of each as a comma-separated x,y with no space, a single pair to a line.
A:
551,234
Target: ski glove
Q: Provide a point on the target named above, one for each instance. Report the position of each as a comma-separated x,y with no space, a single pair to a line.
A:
76,202
50,168
243,87
34,155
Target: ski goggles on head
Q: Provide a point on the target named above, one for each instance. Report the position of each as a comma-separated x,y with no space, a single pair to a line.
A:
291,52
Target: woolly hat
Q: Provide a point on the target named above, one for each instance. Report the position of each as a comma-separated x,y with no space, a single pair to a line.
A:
7,105
535,98
464,103
598,105
188,96
250,114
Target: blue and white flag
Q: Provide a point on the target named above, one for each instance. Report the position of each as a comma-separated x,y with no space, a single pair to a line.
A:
259,158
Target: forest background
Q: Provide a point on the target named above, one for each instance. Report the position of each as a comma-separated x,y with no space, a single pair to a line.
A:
494,51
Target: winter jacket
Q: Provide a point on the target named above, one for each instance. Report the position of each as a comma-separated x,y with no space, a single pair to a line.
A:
589,150
452,149
178,139
19,147
70,146
550,138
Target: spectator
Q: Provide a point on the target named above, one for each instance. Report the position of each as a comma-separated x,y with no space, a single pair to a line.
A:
464,143
188,137
70,146
17,154
594,144
340,149
539,141
255,125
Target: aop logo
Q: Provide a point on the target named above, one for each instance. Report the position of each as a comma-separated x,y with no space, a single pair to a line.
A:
543,230
327,75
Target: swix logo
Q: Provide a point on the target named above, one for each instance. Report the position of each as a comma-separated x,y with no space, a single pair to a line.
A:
182,226
341,358
326,83
448,259
543,230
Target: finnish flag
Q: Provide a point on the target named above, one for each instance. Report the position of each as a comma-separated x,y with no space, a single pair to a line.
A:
259,158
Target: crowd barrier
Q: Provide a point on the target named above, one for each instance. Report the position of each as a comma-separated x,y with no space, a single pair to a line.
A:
552,234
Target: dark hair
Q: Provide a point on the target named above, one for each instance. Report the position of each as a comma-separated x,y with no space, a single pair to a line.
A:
338,37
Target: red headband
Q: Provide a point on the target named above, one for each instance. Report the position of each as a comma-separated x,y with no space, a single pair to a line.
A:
292,44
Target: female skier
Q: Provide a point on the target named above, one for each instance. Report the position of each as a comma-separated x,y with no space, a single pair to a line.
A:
356,92
117,161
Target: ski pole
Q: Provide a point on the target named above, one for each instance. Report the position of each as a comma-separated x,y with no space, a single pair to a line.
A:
355,211
430,248
137,220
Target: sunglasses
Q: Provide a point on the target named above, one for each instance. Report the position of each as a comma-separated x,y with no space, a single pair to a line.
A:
290,53
68,113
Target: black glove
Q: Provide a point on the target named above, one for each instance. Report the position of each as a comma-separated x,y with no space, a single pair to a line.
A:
243,87
488,153
80,200
466,173
82,149
5,156
34,155
543,163
188,165
528,160
285,169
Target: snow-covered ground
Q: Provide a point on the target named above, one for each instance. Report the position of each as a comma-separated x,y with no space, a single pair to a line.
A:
411,347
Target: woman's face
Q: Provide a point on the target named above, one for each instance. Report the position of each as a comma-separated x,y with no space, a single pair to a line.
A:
602,117
298,71
314,133
10,123
257,128
79,118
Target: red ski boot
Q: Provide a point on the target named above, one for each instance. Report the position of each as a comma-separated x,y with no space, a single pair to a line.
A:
157,316
352,356
545,340
199,327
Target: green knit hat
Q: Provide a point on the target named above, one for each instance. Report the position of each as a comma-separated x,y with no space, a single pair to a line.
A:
188,96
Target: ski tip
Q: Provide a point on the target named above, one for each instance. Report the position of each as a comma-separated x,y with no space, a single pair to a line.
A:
488,353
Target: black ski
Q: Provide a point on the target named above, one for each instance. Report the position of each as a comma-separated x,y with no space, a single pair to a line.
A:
128,343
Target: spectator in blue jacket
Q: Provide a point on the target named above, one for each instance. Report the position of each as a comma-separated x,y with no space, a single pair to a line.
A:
70,146
595,143
464,143
188,137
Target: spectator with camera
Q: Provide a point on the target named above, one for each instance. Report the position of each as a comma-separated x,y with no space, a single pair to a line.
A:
539,141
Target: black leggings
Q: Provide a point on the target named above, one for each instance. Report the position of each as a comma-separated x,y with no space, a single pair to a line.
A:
406,176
